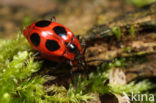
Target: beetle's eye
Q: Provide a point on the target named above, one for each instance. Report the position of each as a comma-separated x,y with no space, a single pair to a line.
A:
73,48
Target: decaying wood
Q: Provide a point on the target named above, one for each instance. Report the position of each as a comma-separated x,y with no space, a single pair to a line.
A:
103,44
143,19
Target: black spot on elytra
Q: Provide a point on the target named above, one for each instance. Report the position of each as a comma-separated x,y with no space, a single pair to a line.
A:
60,31
42,23
52,45
35,39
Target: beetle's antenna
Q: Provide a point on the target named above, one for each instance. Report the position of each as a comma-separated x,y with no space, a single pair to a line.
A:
93,60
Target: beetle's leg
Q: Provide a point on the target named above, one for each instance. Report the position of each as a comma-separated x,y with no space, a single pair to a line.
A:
103,60
78,37
37,53
83,44
53,19
77,80
83,55
59,63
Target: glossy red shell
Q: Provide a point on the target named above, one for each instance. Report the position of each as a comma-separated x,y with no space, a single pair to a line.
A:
47,33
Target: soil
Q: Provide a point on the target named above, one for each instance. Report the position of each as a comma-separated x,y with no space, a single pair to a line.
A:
78,15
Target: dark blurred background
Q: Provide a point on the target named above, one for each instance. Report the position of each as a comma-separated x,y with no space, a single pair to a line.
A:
77,15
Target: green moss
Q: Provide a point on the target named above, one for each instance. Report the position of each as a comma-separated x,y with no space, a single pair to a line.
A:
117,32
132,87
139,3
27,21
128,49
96,81
132,31
17,84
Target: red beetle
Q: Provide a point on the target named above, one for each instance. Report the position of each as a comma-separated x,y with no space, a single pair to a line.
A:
54,41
